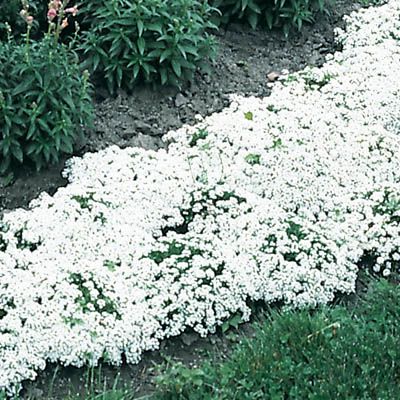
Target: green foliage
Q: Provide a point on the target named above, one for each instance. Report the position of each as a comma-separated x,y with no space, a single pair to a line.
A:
271,13
44,102
329,354
87,302
10,10
248,115
174,249
232,322
253,159
390,206
147,40
201,134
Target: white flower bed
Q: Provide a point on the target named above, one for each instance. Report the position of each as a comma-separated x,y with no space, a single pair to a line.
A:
273,199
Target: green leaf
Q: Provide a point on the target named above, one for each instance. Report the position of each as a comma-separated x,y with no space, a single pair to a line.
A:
7,120
17,153
253,20
156,27
39,78
141,45
70,102
140,27
31,130
176,66
270,20
164,76
154,53
136,69
235,321
31,148
249,116
190,49
23,86
44,125
225,326
254,7
66,145
165,54
182,51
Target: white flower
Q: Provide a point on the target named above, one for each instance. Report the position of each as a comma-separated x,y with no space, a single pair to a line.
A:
141,245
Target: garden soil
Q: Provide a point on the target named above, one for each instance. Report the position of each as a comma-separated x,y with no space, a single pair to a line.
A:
244,65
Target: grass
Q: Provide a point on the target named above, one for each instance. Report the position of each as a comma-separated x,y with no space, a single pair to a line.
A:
97,388
330,353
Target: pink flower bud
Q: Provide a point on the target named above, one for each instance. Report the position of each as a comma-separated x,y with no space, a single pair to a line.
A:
51,14
72,10
29,20
64,23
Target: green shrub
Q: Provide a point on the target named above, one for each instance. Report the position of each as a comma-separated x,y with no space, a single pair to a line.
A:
147,40
271,13
44,102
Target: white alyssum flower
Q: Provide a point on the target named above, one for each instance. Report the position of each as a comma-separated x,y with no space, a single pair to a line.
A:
274,199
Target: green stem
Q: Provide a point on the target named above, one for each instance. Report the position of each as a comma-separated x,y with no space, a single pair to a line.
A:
28,35
61,16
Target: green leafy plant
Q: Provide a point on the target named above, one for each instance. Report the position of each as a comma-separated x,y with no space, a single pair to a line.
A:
44,98
271,13
232,322
147,40
10,18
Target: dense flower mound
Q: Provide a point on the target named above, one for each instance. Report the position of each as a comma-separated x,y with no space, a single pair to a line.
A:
275,199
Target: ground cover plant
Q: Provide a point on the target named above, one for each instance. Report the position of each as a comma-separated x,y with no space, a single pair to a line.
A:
329,354
267,200
307,354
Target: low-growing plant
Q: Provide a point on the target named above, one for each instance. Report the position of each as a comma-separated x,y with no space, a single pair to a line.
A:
147,40
271,13
44,95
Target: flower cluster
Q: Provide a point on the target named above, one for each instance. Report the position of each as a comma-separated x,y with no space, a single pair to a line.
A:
274,199
25,13
59,9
